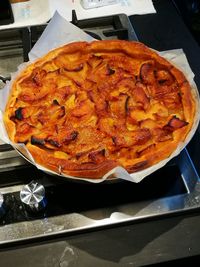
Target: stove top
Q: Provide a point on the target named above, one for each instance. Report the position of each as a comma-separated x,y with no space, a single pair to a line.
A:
36,205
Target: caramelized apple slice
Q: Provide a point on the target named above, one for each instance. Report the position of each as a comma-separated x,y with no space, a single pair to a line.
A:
175,123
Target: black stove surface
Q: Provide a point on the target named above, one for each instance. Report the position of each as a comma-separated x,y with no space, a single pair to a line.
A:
105,195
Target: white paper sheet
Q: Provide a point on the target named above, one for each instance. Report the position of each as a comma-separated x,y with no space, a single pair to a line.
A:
57,33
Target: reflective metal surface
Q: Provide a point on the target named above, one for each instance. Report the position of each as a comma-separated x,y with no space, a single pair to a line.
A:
10,158
2,208
33,196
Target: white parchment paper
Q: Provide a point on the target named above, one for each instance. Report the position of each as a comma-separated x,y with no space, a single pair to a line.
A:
60,32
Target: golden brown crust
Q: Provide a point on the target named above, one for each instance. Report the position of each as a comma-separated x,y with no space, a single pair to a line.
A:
86,108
